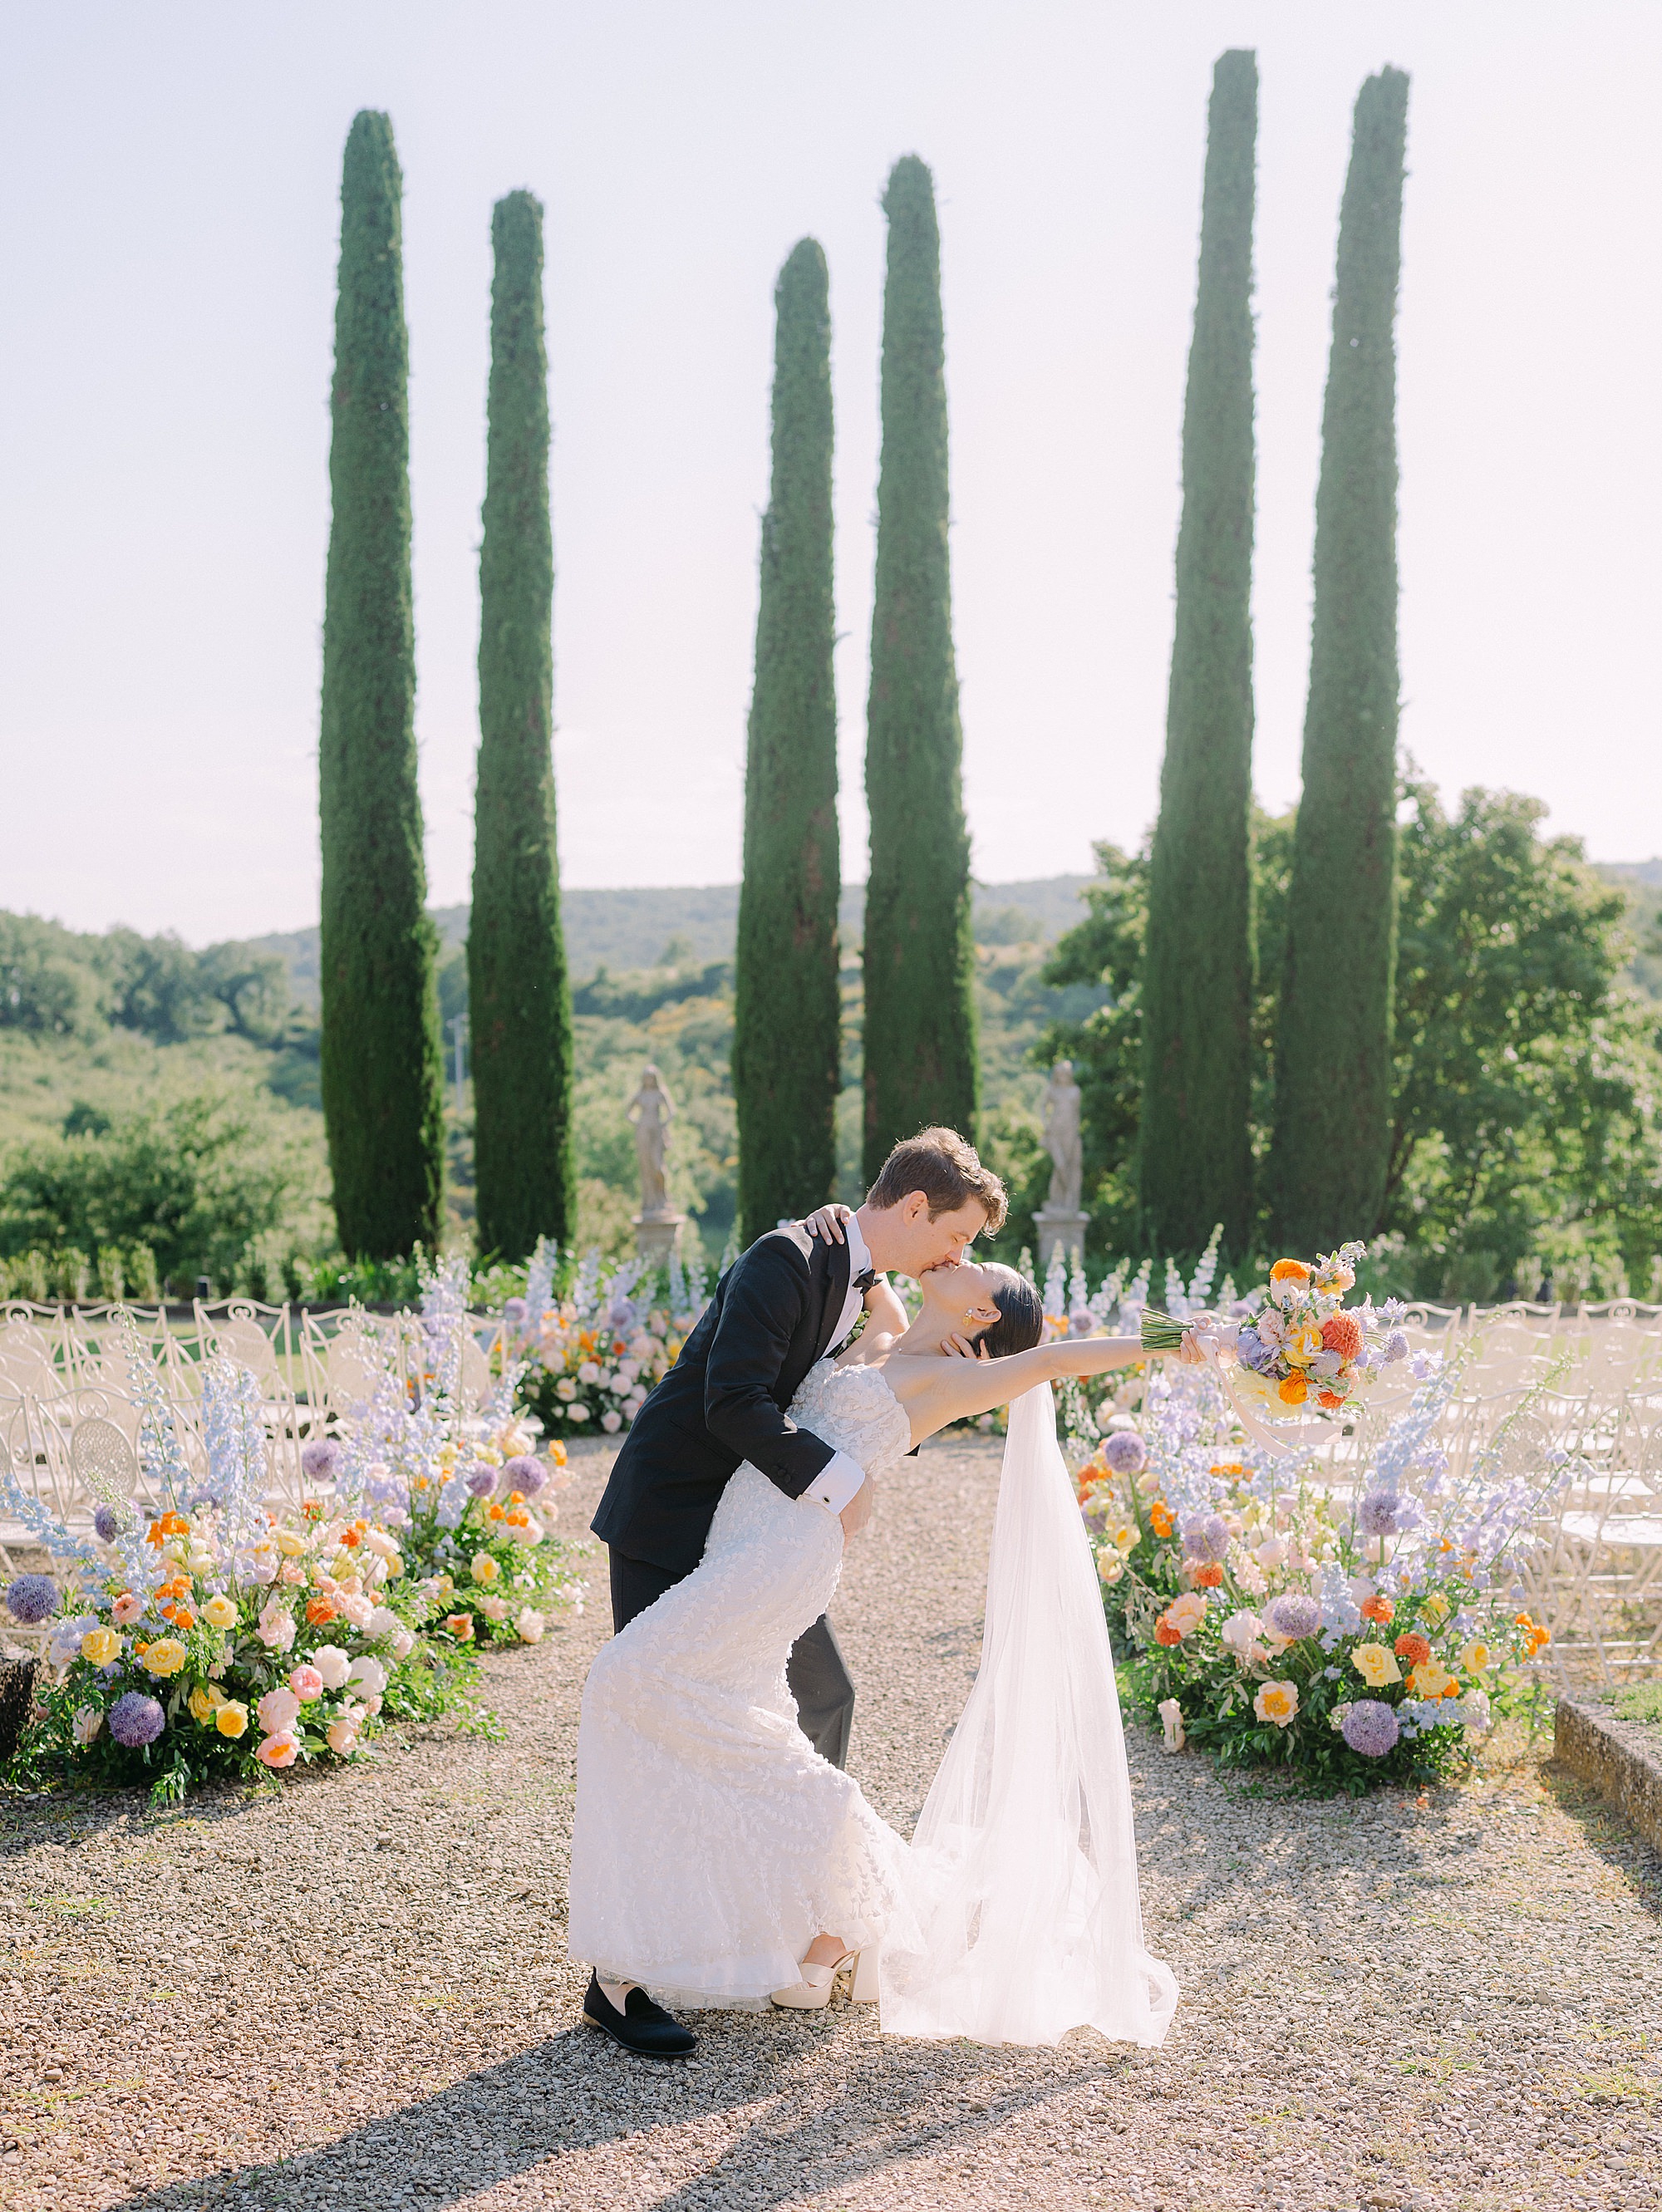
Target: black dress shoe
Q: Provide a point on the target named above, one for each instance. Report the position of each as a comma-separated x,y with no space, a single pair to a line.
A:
642,2026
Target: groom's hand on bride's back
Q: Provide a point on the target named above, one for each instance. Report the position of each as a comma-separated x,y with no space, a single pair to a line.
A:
858,1510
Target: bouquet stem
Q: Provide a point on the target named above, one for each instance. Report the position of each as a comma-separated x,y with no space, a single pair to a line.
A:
1159,1332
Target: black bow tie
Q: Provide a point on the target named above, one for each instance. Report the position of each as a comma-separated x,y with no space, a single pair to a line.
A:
863,1283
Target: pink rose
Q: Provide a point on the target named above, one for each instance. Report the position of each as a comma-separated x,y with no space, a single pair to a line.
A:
342,1737
307,1683
275,1627
279,1710
332,1665
127,1610
279,1749
292,1572
358,1610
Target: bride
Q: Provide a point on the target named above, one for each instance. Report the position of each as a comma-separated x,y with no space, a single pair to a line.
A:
718,1860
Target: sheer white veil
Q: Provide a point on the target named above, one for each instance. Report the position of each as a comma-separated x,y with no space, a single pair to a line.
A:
1028,1922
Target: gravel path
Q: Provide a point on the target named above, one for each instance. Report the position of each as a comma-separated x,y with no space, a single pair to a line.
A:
351,1993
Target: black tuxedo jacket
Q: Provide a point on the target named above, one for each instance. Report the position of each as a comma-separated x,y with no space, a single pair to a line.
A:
723,1402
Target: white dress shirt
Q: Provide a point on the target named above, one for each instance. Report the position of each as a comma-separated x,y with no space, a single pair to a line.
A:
841,1476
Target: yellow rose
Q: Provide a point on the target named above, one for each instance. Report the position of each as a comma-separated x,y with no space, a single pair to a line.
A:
289,1544
1436,1607
101,1646
1109,1565
202,1705
165,1657
394,1565
1124,1538
220,1612
1376,1666
1428,1680
231,1719
1476,1657
485,1568
1302,1343
1277,1702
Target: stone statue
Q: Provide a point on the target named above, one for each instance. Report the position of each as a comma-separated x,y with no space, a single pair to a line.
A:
652,1109
1061,1105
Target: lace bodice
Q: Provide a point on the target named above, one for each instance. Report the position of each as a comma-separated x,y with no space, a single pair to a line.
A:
854,1410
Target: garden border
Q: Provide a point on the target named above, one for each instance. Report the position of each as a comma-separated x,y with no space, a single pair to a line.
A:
1621,1758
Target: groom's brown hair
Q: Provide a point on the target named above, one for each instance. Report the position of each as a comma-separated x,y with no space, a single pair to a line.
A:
948,1172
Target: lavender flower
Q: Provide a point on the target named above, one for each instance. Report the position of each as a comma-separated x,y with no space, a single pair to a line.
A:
32,1598
320,1460
107,1522
525,1473
1252,1352
136,1720
1126,1452
1293,1615
1396,1348
515,1312
1380,1513
1207,1537
1371,1728
621,1317
481,1480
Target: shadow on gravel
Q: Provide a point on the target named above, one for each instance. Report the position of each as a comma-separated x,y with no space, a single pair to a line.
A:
1607,1834
575,2093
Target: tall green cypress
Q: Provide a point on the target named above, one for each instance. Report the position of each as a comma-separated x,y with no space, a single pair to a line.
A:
1196,1155
1333,1034
786,1006
518,991
920,1037
382,1071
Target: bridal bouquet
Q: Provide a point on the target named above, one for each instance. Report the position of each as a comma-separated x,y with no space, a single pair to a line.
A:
590,1357
1346,1638
209,1636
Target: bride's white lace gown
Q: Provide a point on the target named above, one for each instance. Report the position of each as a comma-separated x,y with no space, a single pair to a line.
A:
712,1843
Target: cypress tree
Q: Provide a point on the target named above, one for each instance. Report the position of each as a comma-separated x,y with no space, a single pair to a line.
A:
382,1072
1195,1157
1331,1134
518,991
920,1033
787,1005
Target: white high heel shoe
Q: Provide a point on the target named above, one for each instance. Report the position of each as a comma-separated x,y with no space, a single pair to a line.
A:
813,1992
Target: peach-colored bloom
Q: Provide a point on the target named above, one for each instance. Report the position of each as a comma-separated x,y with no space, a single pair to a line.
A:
127,1610
306,1682
279,1750
279,1710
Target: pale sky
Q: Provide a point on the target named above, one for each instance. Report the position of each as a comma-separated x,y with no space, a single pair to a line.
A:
168,214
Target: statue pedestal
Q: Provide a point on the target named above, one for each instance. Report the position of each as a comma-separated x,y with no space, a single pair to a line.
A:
657,1235
1057,1226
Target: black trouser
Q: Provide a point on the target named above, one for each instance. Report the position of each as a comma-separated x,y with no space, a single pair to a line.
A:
819,1681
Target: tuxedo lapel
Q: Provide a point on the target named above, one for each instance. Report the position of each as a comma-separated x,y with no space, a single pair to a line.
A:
830,1271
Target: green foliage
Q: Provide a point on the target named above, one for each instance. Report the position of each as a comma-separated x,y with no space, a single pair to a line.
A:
1196,1164
381,1077
1523,1116
1329,1150
61,982
519,990
195,1179
787,1004
920,1026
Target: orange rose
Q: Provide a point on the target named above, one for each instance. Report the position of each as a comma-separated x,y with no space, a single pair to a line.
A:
1328,1398
1165,1633
1289,1270
319,1609
1292,1390
494,1512
461,1625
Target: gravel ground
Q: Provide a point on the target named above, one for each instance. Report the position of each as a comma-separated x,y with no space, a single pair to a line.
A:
351,1992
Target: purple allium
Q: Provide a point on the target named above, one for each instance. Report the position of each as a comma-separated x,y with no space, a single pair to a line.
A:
1396,1347
321,1461
525,1473
1126,1452
1292,1615
106,1523
1380,1513
1371,1728
32,1598
481,1479
515,1312
1207,1537
136,1720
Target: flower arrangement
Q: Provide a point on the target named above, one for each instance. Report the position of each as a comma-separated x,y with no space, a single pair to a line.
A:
590,1357
1304,1352
207,1636
1349,1637
473,1502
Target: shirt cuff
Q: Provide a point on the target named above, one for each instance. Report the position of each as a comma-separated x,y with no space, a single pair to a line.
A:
836,1482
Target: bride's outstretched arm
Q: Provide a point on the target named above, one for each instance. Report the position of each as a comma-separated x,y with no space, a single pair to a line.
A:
937,1392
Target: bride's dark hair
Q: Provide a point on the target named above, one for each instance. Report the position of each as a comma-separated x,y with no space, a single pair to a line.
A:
1021,1323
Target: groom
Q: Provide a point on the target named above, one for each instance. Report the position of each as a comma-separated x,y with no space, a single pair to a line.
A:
781,1307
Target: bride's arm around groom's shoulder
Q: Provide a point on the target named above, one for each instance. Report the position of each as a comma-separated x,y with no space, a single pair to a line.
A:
939,1392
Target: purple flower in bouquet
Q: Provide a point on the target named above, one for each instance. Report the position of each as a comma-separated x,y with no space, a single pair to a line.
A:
107,1523
481,1480
136,1720
321,1461
1125,1452
515,1313
1252,1352
1396,1348
1371,1728
1293,1615
1207,1537
1380,1513
525,1473
32,1598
